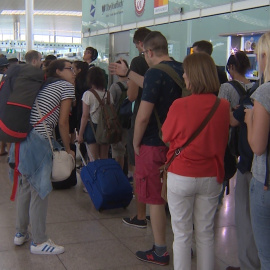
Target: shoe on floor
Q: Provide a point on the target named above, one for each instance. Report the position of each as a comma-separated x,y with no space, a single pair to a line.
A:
151,257
46,248
20,238
135,222
147,218
232,268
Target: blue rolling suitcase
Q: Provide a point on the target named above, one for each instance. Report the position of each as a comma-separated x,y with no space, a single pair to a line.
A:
106,183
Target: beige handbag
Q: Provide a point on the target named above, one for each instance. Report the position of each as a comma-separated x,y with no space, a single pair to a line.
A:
63,165
63,162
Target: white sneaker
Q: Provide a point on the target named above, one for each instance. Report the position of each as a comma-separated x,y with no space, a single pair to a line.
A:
48,247
20,238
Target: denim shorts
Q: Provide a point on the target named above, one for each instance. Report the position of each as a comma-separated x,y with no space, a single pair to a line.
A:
88,135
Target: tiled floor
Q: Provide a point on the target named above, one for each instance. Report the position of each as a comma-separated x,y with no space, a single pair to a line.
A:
94,240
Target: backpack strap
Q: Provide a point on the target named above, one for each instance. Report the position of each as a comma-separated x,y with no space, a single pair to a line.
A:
96,95
238,87
108,97
123,95
171,72
101,101
122,87
253,88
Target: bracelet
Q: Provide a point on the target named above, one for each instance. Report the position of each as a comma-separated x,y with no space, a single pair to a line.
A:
128,72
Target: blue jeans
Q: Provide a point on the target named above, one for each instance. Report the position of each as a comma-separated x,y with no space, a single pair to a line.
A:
260,218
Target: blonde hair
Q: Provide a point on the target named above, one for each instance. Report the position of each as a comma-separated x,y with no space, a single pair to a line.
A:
263,47
202,73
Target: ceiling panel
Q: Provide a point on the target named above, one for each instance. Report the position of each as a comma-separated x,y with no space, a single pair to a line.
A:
61,25
74,5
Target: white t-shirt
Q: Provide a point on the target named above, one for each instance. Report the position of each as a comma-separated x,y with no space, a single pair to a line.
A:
89,99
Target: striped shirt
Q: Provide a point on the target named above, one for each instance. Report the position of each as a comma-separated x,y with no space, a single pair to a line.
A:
49,98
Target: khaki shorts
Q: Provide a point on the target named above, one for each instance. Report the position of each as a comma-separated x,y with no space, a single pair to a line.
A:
119,149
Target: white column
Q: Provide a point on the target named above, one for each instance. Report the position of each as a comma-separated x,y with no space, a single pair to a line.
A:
17,30
29,18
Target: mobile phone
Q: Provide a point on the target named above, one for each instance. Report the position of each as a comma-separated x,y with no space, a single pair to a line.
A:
248,106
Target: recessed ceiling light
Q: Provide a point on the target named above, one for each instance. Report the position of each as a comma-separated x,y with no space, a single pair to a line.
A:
43,12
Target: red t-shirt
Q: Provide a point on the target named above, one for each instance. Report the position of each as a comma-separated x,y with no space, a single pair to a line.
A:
204,156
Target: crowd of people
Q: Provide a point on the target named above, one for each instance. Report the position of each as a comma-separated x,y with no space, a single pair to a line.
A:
195,177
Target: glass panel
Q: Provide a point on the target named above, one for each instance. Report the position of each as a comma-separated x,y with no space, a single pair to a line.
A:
60,39
51,38
100,14
77,40
176,5
181,35
101,43
41,38
7,36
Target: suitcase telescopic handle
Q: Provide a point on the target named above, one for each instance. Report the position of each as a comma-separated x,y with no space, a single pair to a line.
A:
80,153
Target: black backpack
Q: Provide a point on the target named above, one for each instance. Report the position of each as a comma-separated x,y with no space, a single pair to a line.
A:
18,90
232,151
243,100
124,109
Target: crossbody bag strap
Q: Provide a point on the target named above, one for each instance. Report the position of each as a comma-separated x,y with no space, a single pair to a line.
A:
40,114
157,118
195,133
46,116
171,72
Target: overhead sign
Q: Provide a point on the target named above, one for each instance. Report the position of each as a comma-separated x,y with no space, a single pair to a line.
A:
92,11
139,7
161,6
112,9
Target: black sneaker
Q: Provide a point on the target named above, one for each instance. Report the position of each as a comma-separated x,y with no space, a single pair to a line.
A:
147,218
135,222
151,257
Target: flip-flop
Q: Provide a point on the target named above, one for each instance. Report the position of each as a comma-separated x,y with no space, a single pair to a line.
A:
4,153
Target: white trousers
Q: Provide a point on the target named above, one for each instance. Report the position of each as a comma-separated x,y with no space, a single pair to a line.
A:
193,201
